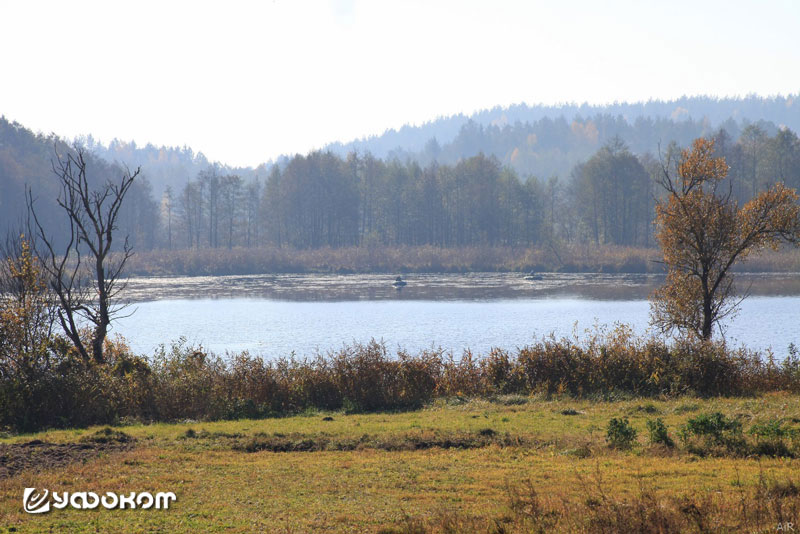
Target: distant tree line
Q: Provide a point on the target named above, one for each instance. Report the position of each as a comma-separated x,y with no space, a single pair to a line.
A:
322,200
326,200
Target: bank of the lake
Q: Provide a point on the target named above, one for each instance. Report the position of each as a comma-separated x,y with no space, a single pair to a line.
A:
555,257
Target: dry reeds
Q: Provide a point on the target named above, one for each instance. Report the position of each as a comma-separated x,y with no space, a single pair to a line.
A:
184,382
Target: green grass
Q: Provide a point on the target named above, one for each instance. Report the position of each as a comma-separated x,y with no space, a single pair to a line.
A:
565,457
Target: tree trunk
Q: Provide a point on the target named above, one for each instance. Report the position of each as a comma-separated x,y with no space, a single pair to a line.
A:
707,319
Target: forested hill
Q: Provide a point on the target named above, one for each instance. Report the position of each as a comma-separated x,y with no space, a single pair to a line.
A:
536,140
551,183
549,140
27,161
164,166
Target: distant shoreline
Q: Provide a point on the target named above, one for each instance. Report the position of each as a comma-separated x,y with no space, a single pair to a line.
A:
424,259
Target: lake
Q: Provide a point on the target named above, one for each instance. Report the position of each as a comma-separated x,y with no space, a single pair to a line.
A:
276,315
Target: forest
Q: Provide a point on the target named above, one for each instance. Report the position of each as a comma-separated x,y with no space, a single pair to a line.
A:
588,181
322,200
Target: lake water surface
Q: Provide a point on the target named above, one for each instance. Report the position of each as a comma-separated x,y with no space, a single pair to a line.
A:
305,314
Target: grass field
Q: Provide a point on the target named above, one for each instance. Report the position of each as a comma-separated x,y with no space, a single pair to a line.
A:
509,464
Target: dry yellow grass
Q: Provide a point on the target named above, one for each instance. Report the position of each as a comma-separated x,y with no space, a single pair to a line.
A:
220,489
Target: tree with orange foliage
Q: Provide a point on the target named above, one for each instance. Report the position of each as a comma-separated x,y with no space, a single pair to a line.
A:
703,233
27,309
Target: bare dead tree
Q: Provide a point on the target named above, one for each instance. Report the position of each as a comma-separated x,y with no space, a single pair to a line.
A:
86,276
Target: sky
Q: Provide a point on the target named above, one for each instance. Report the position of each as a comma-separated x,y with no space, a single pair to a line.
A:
244,82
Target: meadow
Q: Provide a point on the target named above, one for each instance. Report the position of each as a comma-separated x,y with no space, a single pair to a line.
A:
506,463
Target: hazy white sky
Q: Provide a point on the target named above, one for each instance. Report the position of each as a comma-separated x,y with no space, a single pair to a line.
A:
246,81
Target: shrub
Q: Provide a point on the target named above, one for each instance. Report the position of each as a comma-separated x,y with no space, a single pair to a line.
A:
715,425
186,382
771,438
772,429
501,372
417,378
714,434
658,433
620,434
